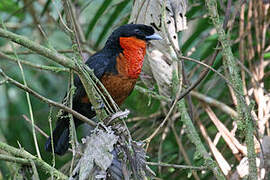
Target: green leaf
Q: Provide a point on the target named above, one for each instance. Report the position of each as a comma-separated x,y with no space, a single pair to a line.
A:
98,15
45,7
111,20
11,7
267,55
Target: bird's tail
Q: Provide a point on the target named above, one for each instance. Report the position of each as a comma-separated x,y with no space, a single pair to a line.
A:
60,137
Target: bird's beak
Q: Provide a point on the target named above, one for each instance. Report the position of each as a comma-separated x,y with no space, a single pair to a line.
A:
153,37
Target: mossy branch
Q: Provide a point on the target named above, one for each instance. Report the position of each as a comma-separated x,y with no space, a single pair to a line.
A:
36,66
195,139
234,75
26,158
39,49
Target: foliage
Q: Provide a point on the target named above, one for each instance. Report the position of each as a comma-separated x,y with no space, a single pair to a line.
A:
212,105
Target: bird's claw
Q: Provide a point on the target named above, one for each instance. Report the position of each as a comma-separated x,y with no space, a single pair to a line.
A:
100,106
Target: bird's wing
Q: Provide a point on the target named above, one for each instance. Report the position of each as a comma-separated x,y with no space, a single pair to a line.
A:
101,63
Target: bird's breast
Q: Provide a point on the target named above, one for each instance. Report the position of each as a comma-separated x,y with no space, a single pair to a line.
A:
118,86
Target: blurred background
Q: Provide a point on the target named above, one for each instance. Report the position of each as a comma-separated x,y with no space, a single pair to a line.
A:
39,21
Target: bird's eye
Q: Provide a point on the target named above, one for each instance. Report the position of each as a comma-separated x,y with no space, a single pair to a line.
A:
138,32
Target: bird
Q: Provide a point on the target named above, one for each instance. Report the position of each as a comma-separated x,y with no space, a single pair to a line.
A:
118,66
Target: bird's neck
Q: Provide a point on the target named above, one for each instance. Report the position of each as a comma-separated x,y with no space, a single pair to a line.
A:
130,62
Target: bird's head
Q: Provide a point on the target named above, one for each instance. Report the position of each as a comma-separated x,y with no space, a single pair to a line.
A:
138,31
128,43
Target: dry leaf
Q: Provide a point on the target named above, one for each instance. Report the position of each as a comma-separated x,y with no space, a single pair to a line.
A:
158,63
98,151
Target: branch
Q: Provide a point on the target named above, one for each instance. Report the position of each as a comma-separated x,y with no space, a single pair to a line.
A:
59,58
177,166
231,65
22,161
48,101
213,102
201,97
195,139
29,157
63,51
37,66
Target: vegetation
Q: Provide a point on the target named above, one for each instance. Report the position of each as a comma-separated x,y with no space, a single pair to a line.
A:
200,109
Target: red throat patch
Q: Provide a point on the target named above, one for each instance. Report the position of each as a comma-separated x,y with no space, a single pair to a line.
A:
134,50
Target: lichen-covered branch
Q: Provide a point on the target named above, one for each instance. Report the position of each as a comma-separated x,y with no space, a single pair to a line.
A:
29,157
51,54
234,74
195,139
36,66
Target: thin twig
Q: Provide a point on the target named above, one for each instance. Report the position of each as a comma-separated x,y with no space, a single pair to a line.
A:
213,102
28,100
36,127
64,51
142,118
51,136
182,150
30,108
48,101
66,28
36,66
22,161
206,99
177,166
59,58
